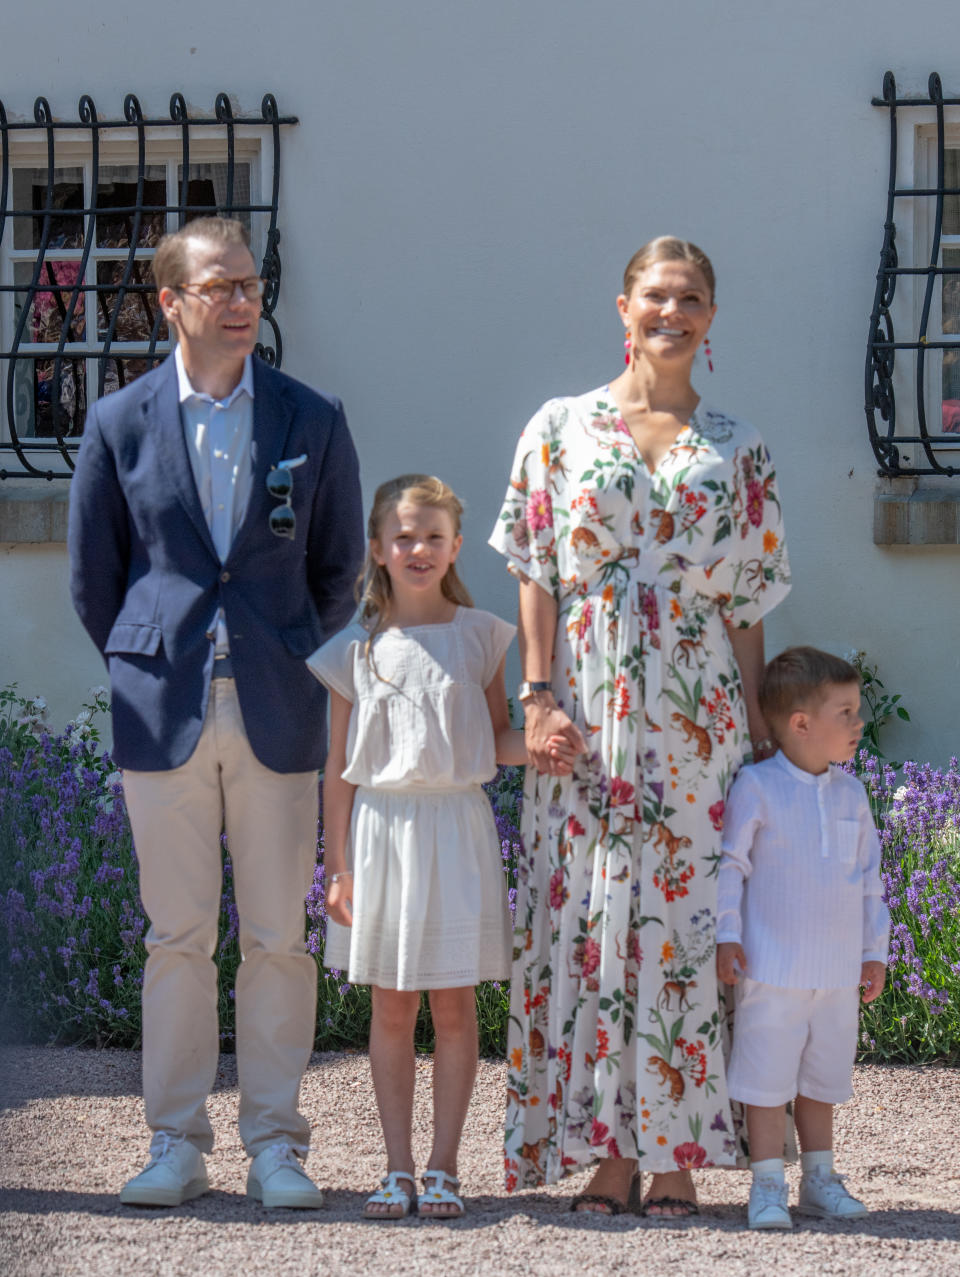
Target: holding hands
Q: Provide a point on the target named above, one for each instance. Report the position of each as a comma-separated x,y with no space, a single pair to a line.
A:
553,739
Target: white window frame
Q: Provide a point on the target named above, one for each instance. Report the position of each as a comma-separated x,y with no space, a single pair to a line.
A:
118,147
924,139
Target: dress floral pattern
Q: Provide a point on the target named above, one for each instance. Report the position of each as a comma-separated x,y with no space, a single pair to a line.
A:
614,1043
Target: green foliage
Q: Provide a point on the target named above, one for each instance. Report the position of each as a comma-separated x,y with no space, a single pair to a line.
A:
71,924
72,928
877,705
917,1017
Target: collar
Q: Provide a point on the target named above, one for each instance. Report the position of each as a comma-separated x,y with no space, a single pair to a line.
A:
798,773
186,390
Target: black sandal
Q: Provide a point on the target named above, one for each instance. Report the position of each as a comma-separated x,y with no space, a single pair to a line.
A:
613,1204
689,1208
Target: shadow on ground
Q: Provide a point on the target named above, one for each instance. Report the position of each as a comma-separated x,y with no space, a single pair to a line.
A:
218,1207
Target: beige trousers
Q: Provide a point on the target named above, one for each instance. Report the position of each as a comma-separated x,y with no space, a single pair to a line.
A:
270,821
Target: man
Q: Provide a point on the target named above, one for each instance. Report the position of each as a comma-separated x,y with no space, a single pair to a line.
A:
215,533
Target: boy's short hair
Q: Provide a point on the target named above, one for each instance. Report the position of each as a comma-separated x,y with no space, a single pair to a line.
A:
798,679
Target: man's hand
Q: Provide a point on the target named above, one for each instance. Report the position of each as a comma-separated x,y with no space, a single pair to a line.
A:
731,961
340,899
873,976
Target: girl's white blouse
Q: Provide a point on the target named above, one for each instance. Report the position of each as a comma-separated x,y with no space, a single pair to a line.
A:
420,717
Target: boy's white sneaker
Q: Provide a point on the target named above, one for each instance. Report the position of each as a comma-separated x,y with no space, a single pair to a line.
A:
174,1174
767,1207
822,1194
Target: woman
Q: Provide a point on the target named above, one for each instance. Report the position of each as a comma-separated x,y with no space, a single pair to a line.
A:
646,534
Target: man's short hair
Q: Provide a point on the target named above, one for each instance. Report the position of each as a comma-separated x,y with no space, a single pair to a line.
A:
170,262
799,679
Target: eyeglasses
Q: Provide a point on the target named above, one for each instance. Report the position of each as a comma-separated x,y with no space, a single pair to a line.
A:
222,290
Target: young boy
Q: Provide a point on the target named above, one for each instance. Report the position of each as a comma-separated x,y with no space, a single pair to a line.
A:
800,925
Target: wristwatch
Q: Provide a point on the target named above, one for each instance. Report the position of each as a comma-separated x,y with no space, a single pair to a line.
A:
526,690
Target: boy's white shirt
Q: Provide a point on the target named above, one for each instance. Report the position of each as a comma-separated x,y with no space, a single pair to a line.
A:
799,881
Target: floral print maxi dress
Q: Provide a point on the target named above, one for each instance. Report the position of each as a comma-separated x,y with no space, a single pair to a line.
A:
614,1038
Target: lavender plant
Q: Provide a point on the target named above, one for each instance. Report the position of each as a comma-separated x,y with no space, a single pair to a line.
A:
72,928
917,1017
71,924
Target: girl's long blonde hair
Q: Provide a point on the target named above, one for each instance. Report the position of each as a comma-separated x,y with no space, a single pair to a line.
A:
374,591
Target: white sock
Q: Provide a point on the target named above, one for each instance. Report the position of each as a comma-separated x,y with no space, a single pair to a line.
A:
822,1157
769,1168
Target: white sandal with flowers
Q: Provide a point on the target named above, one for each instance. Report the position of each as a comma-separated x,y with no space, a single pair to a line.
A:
390,1194
436,1193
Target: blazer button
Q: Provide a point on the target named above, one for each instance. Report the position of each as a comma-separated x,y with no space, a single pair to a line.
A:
211,635
224,577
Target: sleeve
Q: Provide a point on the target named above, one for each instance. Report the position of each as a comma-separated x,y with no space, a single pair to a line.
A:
335,541
332,663
497,637
524,532
756,575
876,918
742,817
98,535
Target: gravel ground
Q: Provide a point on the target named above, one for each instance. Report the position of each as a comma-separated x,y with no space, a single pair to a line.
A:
71,1130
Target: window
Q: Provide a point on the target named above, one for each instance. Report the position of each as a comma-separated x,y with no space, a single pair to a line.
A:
943,360
83,208
913,354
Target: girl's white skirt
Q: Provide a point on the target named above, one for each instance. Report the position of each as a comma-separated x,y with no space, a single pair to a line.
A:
429,892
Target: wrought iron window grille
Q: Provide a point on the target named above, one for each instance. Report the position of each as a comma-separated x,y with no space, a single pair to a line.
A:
59,265
882,345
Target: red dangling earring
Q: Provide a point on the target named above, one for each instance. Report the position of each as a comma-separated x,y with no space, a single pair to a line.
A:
708,352
627,349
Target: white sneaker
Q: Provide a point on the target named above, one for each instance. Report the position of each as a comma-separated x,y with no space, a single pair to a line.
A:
768,1204
174,1174
822,1194
277,1178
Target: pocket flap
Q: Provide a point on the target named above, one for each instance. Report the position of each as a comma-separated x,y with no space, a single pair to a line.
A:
302,640
134,639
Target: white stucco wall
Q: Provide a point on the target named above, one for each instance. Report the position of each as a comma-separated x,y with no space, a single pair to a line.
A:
464,187
46,651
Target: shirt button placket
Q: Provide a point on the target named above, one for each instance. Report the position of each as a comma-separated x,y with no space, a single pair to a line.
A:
824,824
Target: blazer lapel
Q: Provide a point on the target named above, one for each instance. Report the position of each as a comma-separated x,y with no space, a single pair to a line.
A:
271,426
162,413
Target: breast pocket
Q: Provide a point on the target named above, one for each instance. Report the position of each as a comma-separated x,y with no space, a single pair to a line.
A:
847,840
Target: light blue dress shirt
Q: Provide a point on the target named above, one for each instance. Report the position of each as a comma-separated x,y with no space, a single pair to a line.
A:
218,435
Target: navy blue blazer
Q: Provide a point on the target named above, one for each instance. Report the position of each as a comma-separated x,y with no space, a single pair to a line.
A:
147,581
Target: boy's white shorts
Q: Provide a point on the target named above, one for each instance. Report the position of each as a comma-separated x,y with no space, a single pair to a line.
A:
789,1042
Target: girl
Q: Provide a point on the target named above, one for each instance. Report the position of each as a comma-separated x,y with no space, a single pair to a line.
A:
418,720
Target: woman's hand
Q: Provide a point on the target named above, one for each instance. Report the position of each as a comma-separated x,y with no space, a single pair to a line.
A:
340,898
543,718
763,747
553,739
748,650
